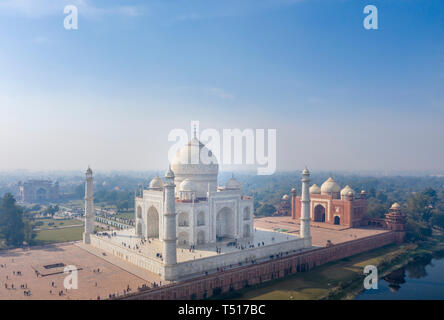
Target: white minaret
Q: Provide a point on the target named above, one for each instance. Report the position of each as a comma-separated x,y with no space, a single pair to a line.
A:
89,207
305,206
169,234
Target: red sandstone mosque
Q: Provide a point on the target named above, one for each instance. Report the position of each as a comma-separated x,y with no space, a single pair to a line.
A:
333,205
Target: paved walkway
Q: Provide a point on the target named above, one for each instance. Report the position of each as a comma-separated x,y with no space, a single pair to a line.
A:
17,268
320,232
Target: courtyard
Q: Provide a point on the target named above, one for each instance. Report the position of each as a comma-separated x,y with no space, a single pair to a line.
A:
101,274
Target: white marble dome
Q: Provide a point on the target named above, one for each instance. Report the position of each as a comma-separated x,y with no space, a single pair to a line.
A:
314,189
347,191
330,187
187,185
156,183
197,163
285,197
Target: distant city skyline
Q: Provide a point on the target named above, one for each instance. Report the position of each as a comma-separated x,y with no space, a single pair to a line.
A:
341,98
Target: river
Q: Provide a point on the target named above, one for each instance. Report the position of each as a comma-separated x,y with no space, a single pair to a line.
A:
422,279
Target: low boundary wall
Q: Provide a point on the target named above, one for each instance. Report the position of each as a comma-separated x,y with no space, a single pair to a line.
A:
235,279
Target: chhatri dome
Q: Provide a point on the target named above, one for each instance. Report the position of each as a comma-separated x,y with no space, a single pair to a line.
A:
156,183
285,197
232,184
395,206
347,191
314,189
330,187
194,161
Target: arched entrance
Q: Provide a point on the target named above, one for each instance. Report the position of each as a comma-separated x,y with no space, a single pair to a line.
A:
152,223
201,237
337,220
139,228
139,212
201,219
246,231
319,213
183,219
183,238
225,224
247,213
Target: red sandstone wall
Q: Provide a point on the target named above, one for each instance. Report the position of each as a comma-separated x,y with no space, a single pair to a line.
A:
253,274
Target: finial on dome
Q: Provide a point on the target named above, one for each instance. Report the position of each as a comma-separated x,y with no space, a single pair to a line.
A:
169,173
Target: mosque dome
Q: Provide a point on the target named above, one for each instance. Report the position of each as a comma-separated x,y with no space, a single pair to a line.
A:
314,189
293,190
285,197
232,184
156,183
347,191
330,186
187,185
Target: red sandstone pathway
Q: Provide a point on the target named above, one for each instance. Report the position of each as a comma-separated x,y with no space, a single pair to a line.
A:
320,232
110,279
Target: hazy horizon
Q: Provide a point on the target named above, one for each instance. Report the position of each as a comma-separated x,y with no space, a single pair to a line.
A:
341,98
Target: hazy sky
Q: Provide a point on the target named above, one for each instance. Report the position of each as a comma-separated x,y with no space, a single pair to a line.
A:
341,97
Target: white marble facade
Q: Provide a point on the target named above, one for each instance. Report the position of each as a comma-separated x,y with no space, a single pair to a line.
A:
206,212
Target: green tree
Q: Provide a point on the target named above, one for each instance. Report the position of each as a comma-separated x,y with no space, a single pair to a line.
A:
11,221
265,209
29,233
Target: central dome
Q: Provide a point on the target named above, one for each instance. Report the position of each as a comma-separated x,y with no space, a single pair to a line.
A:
195,162
330,187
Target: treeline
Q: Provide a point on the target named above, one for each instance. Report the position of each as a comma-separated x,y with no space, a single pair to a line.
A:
425,211
123,200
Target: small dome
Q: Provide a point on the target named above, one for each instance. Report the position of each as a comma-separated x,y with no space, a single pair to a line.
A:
395,206
347,191
285,197
314,189
156,183
305,171
232,184
293,190
88,171
187,185
330,186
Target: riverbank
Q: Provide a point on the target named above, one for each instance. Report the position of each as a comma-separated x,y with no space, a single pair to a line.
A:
418,251
342,279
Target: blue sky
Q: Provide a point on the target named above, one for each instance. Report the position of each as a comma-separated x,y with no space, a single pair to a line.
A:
341,97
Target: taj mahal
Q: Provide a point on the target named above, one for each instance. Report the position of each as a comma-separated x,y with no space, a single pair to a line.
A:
187,225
